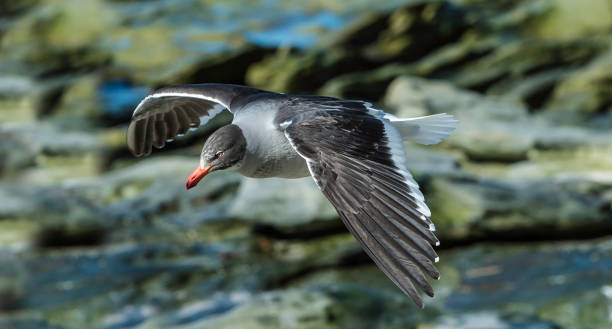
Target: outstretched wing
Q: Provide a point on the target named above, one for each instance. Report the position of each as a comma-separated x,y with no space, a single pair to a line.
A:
172,111
358,161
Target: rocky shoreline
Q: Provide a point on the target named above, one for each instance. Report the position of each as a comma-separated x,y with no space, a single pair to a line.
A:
521,193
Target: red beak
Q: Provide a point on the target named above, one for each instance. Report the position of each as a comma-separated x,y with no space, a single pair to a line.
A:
196,176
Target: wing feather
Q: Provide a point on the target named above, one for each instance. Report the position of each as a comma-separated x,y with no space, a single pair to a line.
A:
173,124
179,108
350,156
160,133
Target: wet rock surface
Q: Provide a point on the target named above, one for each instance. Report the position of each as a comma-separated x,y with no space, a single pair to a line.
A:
521,193
149,286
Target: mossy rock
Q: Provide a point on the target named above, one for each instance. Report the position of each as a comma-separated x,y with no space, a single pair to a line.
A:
568,19
587,90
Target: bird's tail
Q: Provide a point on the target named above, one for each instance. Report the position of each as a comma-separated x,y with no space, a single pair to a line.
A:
426,130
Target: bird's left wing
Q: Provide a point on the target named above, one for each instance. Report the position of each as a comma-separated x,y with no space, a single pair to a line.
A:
172,111
357,160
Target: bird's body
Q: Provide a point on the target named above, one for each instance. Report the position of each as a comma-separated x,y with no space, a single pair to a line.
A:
354,152
269,153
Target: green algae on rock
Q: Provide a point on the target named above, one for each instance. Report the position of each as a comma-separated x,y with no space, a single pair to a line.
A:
91,238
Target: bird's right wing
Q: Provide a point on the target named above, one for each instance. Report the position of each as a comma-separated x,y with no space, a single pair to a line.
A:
172,111
358,163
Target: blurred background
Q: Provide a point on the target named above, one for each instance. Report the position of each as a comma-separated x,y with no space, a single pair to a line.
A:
521,193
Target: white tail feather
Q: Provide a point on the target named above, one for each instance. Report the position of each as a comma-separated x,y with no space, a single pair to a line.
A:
426,130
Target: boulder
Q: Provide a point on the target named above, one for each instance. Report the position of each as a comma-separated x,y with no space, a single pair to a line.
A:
567,19
491,128
18,97
281,202
406,34
584,90
280,309
488,209
504,136
525,65
43,152
519,174
532,283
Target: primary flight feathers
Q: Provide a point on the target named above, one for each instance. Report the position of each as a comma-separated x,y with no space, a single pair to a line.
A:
354,153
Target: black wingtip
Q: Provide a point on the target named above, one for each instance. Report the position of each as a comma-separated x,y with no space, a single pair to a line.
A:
133,150
139,138
130,139
429,291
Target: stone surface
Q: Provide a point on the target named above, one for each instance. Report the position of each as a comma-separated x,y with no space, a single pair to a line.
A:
572,20
532,283
281,202
404,35
287,309
490,209
583,90
507,180
93,238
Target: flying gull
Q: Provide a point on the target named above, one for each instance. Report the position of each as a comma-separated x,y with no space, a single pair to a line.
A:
355,154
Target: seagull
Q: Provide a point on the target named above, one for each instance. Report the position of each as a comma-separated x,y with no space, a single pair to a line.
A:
354,152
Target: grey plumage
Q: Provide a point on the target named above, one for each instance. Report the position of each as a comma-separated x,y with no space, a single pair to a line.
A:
231,140
354,153
172,111
346,153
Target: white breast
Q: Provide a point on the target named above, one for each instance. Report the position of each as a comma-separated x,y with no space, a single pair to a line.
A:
269,153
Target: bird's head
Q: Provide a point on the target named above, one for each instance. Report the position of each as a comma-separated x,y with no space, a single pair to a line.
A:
224,149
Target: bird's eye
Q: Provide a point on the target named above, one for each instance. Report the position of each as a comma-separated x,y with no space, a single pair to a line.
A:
218,155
